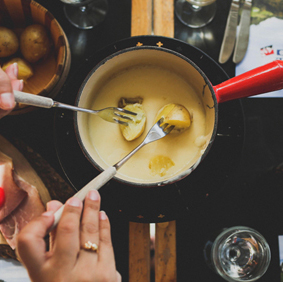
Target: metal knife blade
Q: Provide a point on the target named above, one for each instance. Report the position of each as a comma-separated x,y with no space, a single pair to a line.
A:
242,40
229,38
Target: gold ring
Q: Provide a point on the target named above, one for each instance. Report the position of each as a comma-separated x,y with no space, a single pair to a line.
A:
88,246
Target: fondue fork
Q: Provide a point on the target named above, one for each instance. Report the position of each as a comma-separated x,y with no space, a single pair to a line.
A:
110,114
157,132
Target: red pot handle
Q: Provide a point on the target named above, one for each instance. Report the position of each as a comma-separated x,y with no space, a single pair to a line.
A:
260,80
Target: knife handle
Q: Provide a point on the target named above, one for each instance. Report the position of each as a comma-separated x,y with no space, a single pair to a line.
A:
230,33
242,40
260,80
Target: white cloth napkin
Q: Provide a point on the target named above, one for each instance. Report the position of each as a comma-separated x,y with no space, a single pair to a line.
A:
265,46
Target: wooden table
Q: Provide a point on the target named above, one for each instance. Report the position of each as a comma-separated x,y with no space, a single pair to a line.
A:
155,17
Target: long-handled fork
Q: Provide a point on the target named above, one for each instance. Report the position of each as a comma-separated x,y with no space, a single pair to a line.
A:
110,114
157,132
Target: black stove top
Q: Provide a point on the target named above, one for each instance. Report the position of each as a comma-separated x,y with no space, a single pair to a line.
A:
155,204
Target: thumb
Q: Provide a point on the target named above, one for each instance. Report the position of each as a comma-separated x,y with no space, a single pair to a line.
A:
31,246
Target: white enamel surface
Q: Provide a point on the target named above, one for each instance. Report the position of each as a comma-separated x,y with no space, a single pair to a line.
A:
160,78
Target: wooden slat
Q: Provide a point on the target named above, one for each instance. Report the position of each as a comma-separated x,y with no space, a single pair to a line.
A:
165,252
163,17
165,237
141,17
139,236
139,252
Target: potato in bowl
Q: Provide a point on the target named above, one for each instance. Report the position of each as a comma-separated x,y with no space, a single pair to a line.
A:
50,71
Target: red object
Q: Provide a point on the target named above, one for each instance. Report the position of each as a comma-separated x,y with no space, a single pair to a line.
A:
263,79
2,197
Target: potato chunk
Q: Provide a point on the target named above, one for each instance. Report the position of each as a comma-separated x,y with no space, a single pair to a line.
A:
9,43
34,43
25,69
175,114
160,165
136,126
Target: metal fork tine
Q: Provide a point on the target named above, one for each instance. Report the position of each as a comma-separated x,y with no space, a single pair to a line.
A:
160,121
164,126
169,129
120,121
122,116
125,111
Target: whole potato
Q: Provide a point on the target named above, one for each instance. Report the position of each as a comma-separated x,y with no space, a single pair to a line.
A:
34,43
9,43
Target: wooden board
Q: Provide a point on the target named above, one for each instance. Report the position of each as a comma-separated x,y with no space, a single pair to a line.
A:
163,18
162,24
139,252
165,252
35,170
24,169
141,23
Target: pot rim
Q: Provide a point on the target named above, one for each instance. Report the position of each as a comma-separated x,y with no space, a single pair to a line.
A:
183,174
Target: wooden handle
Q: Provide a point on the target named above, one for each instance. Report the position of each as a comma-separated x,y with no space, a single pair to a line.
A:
94,184
33,100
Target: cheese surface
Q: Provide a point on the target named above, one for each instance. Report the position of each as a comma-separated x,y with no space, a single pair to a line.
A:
157,87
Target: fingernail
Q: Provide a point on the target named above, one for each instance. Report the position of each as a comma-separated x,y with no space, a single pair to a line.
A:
47,213
93,195
7,101
15,69
47,205
21,85
75,202
102,215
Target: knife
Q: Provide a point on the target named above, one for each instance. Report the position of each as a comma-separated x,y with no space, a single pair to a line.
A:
242,40
229,38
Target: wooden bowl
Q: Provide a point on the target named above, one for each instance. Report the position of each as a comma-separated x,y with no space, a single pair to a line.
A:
49,73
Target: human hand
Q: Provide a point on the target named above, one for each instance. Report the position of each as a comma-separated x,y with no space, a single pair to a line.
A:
8,83
67,260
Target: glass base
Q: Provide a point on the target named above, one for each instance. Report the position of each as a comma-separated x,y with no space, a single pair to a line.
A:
194,16
238,254
87,16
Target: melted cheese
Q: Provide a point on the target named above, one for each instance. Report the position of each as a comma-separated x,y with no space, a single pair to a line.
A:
157,87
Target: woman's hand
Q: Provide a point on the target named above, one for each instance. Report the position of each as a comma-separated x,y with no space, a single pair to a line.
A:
67,260
8,83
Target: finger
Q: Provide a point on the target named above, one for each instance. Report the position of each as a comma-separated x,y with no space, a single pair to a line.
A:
52,206
67,244
7,101
31,245
118,277
17,84
90,223
12,71
106,253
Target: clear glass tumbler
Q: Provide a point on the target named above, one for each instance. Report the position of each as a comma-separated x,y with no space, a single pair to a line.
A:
238,254
195,13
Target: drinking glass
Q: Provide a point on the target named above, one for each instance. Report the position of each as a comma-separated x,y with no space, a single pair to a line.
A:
195,13
238,254
85,14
